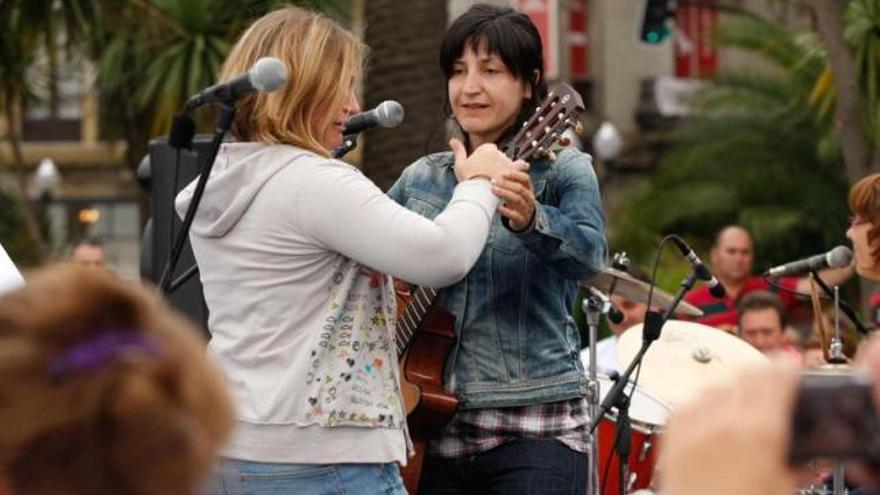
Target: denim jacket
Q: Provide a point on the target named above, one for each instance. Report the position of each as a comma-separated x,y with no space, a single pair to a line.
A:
517,341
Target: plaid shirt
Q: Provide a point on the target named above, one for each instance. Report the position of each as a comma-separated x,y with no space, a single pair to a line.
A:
478,430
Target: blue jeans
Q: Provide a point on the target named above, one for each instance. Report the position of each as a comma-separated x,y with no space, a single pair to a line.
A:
538,466
234,477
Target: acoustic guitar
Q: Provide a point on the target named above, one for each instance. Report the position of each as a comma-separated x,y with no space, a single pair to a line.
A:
425,334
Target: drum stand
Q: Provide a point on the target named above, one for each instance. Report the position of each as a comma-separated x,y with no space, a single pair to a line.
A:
594,306
836,356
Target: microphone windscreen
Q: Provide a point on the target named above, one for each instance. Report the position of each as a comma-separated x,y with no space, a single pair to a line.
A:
183,128
840,257
389,113
268,74
717,291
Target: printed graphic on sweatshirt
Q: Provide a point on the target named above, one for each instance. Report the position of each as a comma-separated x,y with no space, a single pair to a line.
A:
353,373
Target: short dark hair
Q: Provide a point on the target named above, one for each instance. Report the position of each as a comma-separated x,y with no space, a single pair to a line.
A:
758,300
504,32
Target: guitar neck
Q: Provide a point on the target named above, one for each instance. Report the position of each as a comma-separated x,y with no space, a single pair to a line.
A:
408,322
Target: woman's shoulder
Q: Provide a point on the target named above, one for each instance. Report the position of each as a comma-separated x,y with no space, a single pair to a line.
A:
573,157
434,160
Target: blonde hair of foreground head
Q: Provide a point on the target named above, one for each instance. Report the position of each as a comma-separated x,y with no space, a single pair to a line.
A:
103,390
323,62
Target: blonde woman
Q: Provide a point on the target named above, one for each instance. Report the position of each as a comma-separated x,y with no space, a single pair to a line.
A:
294,248
104,391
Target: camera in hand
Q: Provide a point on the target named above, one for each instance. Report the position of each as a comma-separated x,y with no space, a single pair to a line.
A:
835,417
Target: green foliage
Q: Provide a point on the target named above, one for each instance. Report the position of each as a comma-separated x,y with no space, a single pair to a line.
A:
758,152
13,235
862,33
160,51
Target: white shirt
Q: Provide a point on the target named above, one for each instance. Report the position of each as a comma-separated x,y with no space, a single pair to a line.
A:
10,278
606,356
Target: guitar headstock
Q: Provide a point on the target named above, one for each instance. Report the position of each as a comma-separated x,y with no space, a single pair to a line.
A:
558,112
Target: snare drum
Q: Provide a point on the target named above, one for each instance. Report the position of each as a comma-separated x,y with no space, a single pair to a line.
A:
647,414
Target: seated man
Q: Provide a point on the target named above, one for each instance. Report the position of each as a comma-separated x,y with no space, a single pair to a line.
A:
633,313
761,322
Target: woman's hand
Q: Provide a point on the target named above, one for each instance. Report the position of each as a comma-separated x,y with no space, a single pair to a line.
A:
486,161
518,195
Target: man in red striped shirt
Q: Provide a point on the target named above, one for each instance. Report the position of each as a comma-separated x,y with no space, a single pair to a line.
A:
732,259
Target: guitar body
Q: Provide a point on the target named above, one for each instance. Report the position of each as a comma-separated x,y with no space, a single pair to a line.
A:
428,405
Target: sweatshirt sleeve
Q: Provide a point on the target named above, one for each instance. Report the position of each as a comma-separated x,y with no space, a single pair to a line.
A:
345,212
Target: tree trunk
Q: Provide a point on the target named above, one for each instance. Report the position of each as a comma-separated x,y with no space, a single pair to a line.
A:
403,67
31,221
848,112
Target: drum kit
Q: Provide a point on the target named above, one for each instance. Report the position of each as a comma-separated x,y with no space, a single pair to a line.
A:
686,359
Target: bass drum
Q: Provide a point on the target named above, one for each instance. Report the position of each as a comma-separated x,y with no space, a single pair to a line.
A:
648,415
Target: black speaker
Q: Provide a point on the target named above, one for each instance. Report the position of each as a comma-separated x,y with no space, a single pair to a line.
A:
163,173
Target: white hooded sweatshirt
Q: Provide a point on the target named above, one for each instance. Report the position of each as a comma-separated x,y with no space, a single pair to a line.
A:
292,250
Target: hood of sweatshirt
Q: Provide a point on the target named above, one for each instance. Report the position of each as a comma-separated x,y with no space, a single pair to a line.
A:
240,171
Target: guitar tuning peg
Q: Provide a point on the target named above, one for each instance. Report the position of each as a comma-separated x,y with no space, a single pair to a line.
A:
525,124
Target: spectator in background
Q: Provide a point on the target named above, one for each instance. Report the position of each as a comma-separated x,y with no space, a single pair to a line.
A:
761,320
104,391
732,259
88,252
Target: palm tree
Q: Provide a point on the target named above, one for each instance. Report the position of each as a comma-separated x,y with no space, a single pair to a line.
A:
760,152
403,66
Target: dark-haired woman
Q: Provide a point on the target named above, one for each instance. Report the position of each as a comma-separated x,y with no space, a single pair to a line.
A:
520,428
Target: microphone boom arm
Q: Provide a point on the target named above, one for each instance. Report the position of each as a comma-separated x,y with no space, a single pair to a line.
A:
844,306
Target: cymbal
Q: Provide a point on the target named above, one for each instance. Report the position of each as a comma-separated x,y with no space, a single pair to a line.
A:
687,358
617,282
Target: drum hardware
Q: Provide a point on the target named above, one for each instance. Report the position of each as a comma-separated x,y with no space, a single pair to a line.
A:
594,305
617,397
646,449
631,483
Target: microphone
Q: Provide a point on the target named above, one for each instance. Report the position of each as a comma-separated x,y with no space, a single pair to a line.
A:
614,315
702,271
389,113
839,257
267,74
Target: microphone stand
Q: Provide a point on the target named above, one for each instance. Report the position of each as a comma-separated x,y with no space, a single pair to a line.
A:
617,396
227,115
846,308
349,142
593,307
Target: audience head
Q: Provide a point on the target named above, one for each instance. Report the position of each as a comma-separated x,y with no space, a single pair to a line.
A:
103,391
732,255
324,63
864,231
88,252
761,320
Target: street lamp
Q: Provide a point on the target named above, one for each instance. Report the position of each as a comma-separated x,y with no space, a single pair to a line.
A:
44,185
607,142
46,181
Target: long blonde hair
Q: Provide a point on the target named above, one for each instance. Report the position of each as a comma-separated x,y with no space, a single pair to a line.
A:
323,62
103,390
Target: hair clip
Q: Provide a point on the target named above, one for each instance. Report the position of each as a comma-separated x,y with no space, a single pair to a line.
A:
105,347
